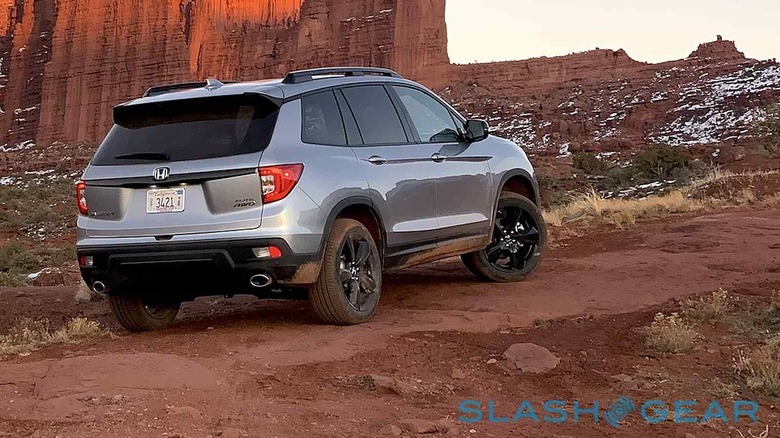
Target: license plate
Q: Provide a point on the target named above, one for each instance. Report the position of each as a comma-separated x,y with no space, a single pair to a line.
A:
165,201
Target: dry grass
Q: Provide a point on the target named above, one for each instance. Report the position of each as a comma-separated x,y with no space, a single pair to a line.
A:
718,189
29,335
707,309
761,368
758,323
670,334
621,212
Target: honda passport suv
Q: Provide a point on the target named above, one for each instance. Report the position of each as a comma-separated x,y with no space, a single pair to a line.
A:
318,182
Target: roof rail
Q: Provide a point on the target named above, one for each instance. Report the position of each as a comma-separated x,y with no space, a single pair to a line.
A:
300,76
209,84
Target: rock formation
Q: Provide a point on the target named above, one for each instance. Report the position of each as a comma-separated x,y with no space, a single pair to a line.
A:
65,63
604,101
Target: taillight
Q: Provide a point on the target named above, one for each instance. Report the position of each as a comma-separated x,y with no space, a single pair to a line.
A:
278,181
81,199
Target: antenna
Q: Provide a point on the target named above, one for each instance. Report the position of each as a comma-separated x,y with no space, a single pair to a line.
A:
213,84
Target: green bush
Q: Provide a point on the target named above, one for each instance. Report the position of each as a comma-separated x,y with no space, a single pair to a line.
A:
620,177
16,260
8,279
25,208
590,163
661,161
770,127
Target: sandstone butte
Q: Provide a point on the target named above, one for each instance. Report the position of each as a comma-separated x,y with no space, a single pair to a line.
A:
65,63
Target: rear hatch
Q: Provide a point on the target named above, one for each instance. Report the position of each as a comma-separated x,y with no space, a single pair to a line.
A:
180,167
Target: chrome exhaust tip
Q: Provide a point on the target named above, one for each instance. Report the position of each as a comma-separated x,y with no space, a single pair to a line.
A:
98,287
261,280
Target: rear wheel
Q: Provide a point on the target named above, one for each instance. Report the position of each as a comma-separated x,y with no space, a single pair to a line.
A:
138,316
350,282
519,238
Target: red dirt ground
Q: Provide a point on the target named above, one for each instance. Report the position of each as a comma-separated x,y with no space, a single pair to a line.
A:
244,367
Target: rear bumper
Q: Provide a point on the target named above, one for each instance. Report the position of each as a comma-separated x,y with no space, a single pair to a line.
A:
196,268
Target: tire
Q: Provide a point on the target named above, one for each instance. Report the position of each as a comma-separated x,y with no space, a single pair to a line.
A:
528,243
136,316
349,286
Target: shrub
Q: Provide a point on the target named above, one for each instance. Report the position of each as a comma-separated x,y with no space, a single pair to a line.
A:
9,279
670,334
770,127
761,367
661,161
30,334
590,163
14,259
8,252
707,309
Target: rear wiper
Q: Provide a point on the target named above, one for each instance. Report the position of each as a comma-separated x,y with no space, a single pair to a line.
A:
152,156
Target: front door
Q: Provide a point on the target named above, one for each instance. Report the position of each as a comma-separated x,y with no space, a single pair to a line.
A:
463,186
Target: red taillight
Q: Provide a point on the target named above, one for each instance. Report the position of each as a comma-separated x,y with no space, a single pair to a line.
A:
81,199
278,181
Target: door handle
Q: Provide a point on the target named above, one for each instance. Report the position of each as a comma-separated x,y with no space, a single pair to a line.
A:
376,159
438,158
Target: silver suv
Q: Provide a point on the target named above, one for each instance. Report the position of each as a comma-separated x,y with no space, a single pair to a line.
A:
319,182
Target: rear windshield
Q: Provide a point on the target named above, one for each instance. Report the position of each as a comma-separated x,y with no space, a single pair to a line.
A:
184,130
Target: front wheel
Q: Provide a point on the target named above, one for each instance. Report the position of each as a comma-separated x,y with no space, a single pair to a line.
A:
350,282
518,241
137,316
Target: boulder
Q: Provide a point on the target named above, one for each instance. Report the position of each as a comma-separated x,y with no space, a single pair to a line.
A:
531,358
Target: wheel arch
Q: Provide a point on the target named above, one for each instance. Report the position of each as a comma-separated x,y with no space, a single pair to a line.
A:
521,182
362,210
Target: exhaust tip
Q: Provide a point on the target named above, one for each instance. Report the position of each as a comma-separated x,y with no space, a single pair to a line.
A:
260,280
98,287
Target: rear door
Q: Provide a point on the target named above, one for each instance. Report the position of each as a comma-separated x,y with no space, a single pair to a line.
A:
179,167
463,184
399,175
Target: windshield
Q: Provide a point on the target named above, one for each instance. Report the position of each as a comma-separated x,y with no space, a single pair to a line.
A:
184,130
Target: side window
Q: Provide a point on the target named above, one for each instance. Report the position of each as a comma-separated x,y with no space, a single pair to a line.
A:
321,120
432,120
375,114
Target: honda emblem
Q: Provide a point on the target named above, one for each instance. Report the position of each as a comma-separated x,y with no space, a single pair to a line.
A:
161,173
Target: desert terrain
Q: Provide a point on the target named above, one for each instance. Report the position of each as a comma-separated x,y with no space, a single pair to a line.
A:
244,367
659,182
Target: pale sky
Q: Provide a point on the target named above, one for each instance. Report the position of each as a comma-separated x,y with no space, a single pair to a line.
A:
650,31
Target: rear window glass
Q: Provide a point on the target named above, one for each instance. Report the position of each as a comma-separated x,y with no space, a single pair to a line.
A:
185,130
322,122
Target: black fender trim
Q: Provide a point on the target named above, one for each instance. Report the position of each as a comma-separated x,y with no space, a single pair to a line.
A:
342,205
510,174
525,175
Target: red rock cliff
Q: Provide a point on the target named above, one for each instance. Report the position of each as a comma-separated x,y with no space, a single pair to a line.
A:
65,63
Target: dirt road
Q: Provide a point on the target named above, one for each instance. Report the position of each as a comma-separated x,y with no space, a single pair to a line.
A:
243,367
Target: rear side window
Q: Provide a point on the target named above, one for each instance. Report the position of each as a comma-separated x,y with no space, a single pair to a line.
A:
185,130
321,118
375,114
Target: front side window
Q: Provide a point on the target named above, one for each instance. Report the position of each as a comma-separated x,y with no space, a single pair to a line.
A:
432,120
375,114
321,119
185,130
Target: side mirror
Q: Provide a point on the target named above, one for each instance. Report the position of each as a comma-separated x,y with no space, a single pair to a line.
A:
476,130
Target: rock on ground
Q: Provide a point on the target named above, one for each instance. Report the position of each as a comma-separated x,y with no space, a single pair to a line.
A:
531,358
